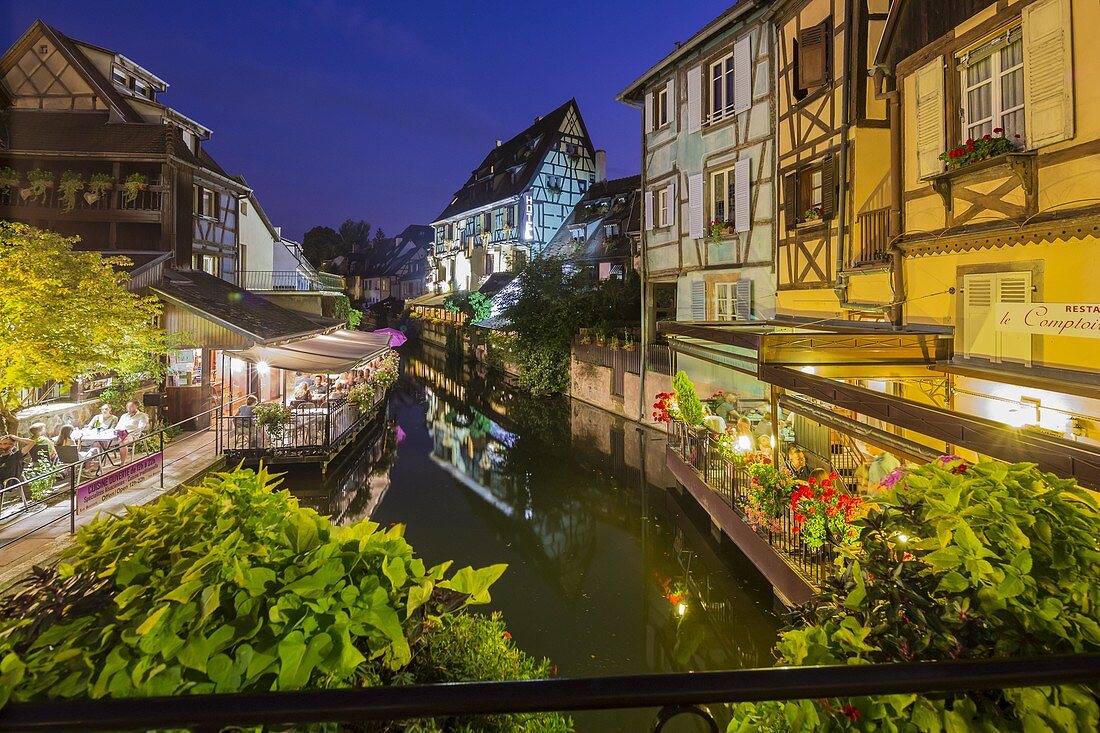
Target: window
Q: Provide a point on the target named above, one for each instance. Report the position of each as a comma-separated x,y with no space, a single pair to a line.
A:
992,86
721,88
725,301
721,196
206,263
660,112
811,58
662,207
118,77
810,193
142,89
487,222
244,208
488,264
611,230
206,203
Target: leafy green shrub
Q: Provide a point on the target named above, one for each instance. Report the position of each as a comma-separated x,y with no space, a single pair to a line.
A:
691,408
231,586
273,417
544,371
957,562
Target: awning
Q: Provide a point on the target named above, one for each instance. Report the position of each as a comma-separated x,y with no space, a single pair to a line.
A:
430,300
335,352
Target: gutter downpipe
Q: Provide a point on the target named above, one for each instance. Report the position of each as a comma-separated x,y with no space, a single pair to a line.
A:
897,308
643,366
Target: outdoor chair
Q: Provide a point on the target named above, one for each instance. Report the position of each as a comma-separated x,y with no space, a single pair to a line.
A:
70,456
13,486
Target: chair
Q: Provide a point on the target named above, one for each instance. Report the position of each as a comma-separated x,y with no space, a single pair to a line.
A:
39,453
70,455
12,485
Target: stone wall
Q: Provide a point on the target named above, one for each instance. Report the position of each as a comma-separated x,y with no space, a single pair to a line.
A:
57,414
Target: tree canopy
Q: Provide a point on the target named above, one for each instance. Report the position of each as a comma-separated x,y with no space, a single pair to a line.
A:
67,314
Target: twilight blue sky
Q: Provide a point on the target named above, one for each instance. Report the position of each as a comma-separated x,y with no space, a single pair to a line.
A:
379,110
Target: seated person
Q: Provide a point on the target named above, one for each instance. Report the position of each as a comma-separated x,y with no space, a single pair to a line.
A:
43,447
302,393
13,453
64,439
727,408
319,387
796,462
105,420
248,408
131,426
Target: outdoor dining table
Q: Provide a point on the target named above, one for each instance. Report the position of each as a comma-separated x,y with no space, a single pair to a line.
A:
105,438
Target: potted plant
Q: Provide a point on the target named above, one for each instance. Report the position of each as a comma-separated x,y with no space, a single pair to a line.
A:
714,231
134,183
601,339
665,408
9,178
812,214
71,184
614,343
691,408
768,492
273,417
98,184
984,148
628,343
585,338
822,513
38,182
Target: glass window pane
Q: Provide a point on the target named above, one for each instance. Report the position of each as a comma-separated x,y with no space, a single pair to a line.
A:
979,103
979,72
1012,89
1012,55
716,91
1013,124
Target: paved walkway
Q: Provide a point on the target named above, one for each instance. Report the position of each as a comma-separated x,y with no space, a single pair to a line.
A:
38,536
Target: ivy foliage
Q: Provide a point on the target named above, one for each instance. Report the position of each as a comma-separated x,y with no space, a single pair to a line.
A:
231,586
957,562
342,310
691,408
477,306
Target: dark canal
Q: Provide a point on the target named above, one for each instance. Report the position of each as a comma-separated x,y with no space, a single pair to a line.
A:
608,571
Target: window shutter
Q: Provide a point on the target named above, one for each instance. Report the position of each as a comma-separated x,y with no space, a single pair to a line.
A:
1048,72
742,75
1014,287
698,300
790,200
742,201
695,101
670,99
978,336
743,293
828,187
672,204
649,210
930,118
695,206
813,56
649,112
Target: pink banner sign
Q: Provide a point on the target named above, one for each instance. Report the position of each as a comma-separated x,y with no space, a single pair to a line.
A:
114,483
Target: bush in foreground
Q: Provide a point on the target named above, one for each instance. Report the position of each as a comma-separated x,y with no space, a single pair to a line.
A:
957,562
231,586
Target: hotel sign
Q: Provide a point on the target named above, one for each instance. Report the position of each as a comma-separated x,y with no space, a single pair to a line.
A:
1052,319
527,214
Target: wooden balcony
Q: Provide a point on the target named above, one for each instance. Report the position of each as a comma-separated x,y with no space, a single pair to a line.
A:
873,247
113,205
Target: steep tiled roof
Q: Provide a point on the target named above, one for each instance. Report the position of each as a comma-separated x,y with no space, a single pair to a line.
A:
617,201
510,167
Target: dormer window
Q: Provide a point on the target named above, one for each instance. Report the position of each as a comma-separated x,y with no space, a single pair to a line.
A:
119,78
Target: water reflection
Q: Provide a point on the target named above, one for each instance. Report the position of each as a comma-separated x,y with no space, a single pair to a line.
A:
609,571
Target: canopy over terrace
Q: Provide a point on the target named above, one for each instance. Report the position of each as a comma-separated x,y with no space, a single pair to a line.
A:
819,366
339,351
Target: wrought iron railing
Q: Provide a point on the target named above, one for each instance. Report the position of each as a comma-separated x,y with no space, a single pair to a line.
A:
290,280
697,448
658,357
674,695
313,430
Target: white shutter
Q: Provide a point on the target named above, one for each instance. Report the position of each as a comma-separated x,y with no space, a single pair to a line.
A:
743,293
930,117
670,99
1048,72
978,336
695,100
698,300
673,205
742,75
648,209
649,112
742,200
695,206
1014,287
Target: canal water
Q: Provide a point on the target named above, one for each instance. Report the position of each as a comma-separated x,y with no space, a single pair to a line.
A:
609,570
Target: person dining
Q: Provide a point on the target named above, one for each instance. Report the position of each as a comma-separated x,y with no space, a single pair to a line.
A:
130,426
44,449
302,393
796,462
105,420
319,387
13,454
64,440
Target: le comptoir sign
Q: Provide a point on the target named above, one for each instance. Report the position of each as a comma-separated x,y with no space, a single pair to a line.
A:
1053,319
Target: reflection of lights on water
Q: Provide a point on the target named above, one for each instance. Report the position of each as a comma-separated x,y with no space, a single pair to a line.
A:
681,609
527,513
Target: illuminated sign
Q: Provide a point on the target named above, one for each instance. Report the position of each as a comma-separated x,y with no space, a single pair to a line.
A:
528,215
1054,319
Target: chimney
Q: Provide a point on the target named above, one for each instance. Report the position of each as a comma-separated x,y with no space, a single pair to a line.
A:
601,166
499,143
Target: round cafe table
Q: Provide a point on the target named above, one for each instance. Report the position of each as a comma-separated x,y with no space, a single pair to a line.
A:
105,438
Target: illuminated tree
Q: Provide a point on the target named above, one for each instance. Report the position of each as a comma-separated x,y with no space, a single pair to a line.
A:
65,315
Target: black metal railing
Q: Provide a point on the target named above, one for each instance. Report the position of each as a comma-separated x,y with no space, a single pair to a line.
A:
290,280
313,430
628,358
673,694
728,479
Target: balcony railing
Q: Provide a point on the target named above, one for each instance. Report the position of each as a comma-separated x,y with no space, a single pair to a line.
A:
874,237
148,199
731,481
290,280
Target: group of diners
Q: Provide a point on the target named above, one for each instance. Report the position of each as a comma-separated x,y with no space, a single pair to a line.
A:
320,389
39,451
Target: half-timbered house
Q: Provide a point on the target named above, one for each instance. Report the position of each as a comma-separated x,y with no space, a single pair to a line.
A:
604,231
998,246
514,201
